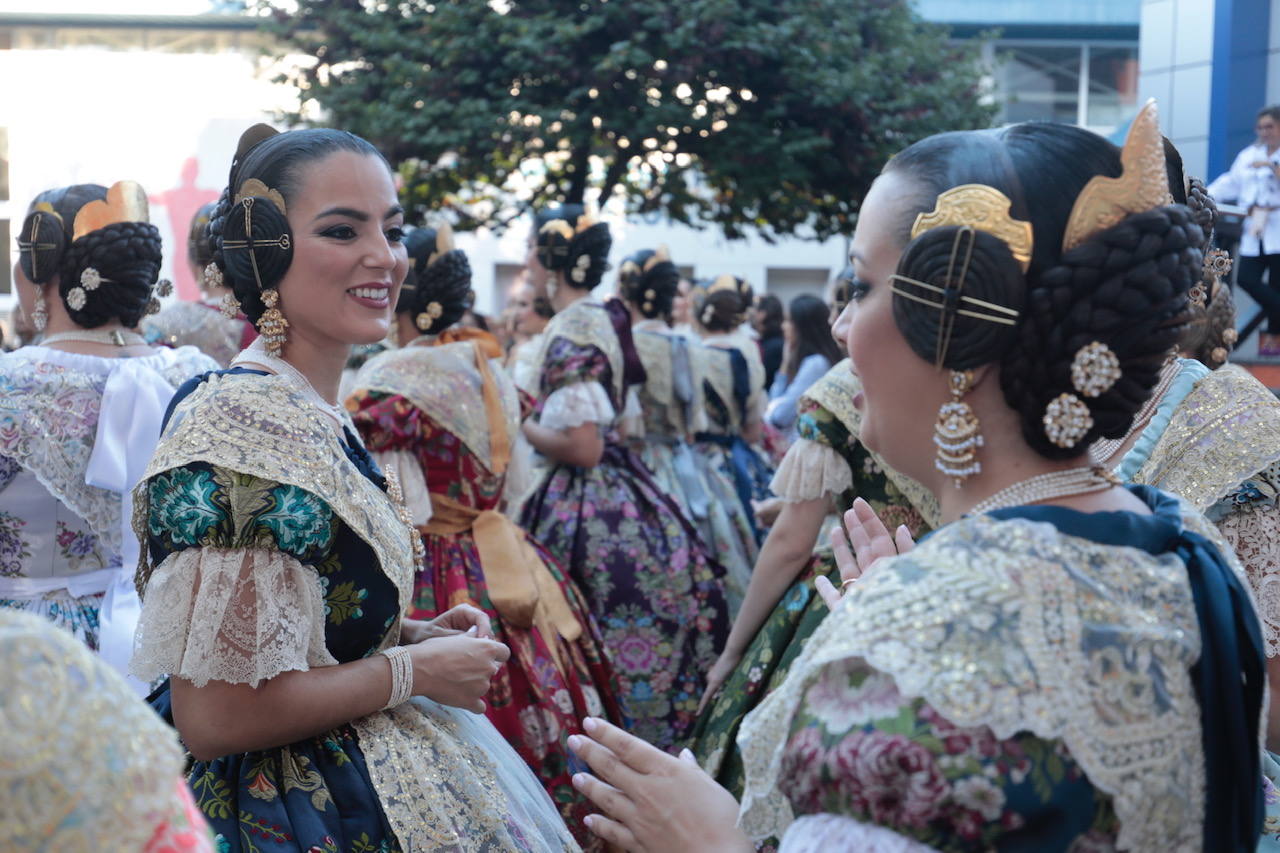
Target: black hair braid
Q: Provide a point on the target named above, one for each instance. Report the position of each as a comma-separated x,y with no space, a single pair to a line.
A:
992,275
587,257
1203,208
1125,287
199,252
127,256
446,282
652,290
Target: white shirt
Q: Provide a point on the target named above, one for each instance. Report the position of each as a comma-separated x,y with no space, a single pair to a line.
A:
1246,185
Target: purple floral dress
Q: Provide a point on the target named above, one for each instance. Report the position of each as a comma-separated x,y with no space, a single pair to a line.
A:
656,594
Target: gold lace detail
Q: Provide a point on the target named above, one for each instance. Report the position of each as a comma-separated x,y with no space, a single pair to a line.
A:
834,392
1012,625
260,425
86,764
1225,431
443,382
586,323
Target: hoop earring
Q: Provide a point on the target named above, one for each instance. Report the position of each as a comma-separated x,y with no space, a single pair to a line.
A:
272,324
956,432
40,314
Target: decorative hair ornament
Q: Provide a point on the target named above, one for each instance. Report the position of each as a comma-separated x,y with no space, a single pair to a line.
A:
552,251
40,314
432,313
272,325
985,209
660,255
91,278
580,268
153,305
708,314
126,201
76,298
256,188
212,276
1095,369
230,306
164,288
1143,183
949,299
249,244
41,219
956,432
725,282
1067,420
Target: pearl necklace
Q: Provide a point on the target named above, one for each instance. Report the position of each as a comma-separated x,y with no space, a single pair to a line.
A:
256,353
115,337
1104,449
1043,487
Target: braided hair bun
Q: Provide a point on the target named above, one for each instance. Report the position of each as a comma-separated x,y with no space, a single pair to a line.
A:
581,253
125,258
649,280
249,235
720,305
1124,287
438,290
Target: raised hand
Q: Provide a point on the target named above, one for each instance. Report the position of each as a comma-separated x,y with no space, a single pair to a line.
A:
863,540
456,670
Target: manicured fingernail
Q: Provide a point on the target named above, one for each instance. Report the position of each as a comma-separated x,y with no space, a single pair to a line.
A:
686,754
589,820
590,723
579,779
575,741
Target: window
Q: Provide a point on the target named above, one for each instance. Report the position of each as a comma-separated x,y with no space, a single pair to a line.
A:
1090,84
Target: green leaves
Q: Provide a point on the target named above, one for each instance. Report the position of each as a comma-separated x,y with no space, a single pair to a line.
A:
772,113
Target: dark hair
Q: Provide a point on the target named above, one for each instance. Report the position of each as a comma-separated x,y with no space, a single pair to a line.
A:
1211,320
649,283
1272,112
126,256
770,314
542,307
1125,287
582,253
274,159
443,278
810,332
199,251
721,304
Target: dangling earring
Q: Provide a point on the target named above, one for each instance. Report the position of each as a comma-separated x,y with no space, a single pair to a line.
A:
272,324
956,432
40,314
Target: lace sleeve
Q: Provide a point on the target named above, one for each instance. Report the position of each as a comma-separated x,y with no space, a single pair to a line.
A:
577,404
811,470
1254,533
235,615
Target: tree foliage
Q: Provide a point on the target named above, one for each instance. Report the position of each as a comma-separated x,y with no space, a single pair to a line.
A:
771,114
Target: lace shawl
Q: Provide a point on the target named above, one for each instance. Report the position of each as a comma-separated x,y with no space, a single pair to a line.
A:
1015,626
811,470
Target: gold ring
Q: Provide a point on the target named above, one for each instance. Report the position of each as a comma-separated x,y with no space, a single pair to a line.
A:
845,584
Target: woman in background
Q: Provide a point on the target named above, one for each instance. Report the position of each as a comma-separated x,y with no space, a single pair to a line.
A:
810,352
769,322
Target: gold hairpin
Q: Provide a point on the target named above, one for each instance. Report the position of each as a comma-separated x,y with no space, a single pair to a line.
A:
34,246
659,255
254,187
126,201
1143,183
724,282
984,208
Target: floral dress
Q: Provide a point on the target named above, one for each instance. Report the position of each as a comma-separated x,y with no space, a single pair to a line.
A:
66,542
967,695
826,461
273,548
733,385
421,411
656,594
673,405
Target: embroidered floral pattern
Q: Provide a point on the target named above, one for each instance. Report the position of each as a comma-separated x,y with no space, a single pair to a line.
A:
13,547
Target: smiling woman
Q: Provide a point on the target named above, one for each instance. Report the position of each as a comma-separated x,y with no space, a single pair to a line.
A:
317,715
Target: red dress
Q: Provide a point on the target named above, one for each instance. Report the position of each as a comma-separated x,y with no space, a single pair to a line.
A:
428,404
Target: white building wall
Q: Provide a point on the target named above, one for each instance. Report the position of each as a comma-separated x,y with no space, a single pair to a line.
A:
1175,54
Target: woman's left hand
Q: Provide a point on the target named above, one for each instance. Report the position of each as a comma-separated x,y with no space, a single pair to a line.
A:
652,801
867,541
455,620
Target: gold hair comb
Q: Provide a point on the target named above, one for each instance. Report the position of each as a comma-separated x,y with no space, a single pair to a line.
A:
254,188
1143,183
984,208
126,201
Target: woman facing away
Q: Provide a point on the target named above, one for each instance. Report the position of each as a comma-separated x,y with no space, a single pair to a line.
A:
444,417
825,467
211,325
769,320
281,561
531,315
734,390
80,412
810,352
673,407
655,592
1066,663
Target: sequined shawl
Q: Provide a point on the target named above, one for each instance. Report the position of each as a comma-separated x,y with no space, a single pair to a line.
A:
834,392
586,323
1013,625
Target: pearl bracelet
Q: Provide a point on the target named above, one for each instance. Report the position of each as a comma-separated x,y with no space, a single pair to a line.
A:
401,675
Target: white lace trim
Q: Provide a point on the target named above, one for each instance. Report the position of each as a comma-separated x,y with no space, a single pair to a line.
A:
413,482
834,833
235,615
577,404
811,470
